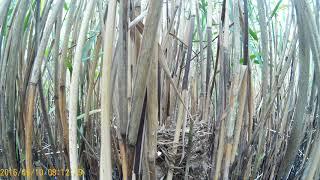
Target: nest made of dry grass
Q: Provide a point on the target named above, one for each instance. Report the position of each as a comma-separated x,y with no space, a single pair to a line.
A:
199,158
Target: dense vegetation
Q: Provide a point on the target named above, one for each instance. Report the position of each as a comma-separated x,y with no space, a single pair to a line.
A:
153,89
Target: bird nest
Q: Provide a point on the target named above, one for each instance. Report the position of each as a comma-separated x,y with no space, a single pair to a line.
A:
195,158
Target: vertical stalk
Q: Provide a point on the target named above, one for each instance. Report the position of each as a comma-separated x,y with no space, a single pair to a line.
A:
105,154
202,61
123,67
298,125
74,88
62,72
152,114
